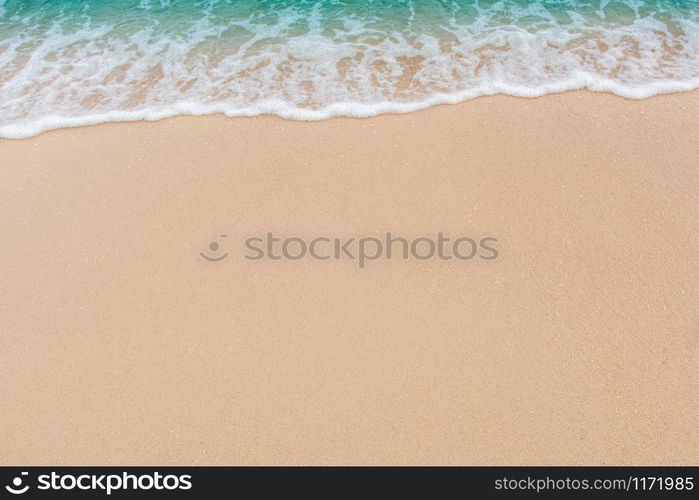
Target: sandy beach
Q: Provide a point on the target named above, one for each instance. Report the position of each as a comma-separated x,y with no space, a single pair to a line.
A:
579,344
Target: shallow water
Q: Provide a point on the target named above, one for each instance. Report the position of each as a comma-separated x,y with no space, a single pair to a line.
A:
72,62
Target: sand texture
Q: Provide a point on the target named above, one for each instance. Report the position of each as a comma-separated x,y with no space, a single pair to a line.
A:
578,345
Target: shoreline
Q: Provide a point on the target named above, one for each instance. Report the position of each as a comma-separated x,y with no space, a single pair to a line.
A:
592,84
576,346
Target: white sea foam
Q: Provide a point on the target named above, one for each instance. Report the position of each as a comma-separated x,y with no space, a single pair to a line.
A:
312,63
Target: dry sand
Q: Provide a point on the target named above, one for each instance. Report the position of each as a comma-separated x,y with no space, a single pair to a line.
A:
578,345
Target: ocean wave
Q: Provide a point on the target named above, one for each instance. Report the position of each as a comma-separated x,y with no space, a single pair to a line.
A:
67,64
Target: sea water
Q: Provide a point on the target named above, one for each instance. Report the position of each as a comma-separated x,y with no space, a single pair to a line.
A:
76,62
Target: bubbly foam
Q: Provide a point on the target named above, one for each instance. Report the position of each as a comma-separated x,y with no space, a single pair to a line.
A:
77,63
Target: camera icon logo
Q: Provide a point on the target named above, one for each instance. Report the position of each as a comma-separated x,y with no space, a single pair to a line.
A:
215,248
16,487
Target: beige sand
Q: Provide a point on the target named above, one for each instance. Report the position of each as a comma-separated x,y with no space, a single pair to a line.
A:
579,345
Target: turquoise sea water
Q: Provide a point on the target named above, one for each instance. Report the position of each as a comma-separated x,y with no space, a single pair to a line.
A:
74,62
